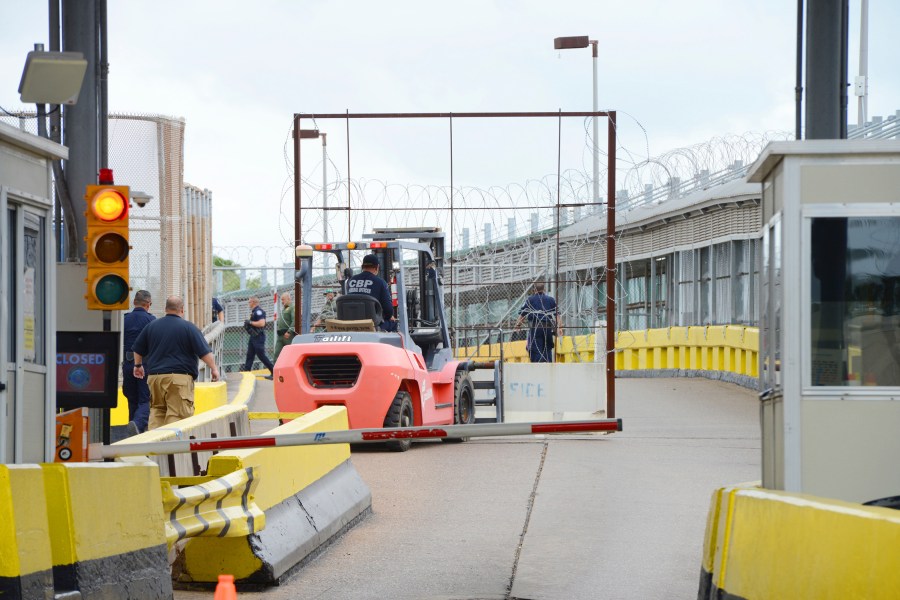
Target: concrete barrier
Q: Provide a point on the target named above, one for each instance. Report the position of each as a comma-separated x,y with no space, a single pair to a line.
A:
769,544
552,392
107,536
310,494
26,562
221,507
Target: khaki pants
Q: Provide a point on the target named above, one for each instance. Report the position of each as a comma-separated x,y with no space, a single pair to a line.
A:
171,398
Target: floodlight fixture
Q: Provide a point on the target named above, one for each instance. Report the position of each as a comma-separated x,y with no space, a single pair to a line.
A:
52,77
572,41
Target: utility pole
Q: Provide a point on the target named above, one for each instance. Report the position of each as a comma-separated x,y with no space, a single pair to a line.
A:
81,125
826,69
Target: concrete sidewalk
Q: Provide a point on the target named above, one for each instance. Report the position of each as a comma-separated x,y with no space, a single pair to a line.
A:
555,517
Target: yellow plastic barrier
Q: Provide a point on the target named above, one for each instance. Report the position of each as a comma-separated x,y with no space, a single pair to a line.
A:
223,507
730,348
771,544
207,395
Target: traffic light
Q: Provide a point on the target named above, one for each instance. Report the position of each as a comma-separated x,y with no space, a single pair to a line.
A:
107,247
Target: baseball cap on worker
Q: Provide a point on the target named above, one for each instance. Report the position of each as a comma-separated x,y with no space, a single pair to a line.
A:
326,292
370,259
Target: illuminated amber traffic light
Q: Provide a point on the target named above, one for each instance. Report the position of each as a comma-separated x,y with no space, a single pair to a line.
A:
107,247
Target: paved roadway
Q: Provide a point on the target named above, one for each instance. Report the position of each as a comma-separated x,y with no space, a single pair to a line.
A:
593,516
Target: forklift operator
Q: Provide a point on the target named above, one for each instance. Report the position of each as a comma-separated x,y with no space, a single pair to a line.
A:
368,282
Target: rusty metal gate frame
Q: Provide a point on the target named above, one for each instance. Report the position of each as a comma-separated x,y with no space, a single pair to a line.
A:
298,134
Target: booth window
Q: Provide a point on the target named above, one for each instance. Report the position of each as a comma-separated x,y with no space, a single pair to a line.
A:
33,292
770,330
855,301
11,287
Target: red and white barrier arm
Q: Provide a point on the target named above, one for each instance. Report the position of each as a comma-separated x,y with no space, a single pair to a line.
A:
351,436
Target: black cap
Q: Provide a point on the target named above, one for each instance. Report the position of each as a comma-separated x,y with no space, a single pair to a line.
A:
370,259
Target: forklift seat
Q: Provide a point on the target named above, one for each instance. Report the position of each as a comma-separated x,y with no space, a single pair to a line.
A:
426,336
359,307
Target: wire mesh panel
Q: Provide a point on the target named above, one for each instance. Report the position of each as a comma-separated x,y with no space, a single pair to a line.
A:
147,153
171,235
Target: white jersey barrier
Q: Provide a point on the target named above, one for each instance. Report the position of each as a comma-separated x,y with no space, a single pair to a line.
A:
353,436
553,391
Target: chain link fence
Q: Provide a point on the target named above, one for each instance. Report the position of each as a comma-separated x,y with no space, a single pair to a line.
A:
170,228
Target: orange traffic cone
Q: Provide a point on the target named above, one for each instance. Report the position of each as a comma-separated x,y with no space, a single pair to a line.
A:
225,589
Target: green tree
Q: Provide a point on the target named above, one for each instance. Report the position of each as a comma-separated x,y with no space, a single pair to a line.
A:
230,279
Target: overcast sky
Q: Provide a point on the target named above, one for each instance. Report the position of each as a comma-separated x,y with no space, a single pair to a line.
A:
683,72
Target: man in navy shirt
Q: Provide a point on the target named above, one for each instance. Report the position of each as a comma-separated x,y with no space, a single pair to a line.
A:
540,311
136,390
256,347
171,347
369,283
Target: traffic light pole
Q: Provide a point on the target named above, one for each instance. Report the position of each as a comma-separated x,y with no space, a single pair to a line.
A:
105,418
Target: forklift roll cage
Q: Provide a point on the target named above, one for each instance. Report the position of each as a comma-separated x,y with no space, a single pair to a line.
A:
426,330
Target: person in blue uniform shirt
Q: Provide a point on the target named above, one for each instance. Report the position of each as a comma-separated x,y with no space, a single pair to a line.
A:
369,283
218,313
135,390
256,346
541,313
171,347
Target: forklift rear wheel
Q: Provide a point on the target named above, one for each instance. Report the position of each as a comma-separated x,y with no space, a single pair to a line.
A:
400,414
464,405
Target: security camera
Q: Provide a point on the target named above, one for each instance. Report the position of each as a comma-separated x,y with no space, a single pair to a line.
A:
141,198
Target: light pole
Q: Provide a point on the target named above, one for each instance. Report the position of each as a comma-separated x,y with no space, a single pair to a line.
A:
862,81
324,137
583,41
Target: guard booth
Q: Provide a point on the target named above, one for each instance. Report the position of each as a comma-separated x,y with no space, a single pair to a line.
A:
27,297
830,318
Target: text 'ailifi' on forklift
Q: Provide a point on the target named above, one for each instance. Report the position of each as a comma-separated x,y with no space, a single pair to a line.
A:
394,372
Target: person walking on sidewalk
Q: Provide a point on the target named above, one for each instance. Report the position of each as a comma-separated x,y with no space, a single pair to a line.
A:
284,325
256,345
171,346
135,390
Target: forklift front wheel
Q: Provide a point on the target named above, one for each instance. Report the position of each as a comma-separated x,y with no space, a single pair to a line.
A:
400,414
464,405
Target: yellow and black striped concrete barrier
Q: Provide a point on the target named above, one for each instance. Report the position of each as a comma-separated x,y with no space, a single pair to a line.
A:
222,507
310,494
769,544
